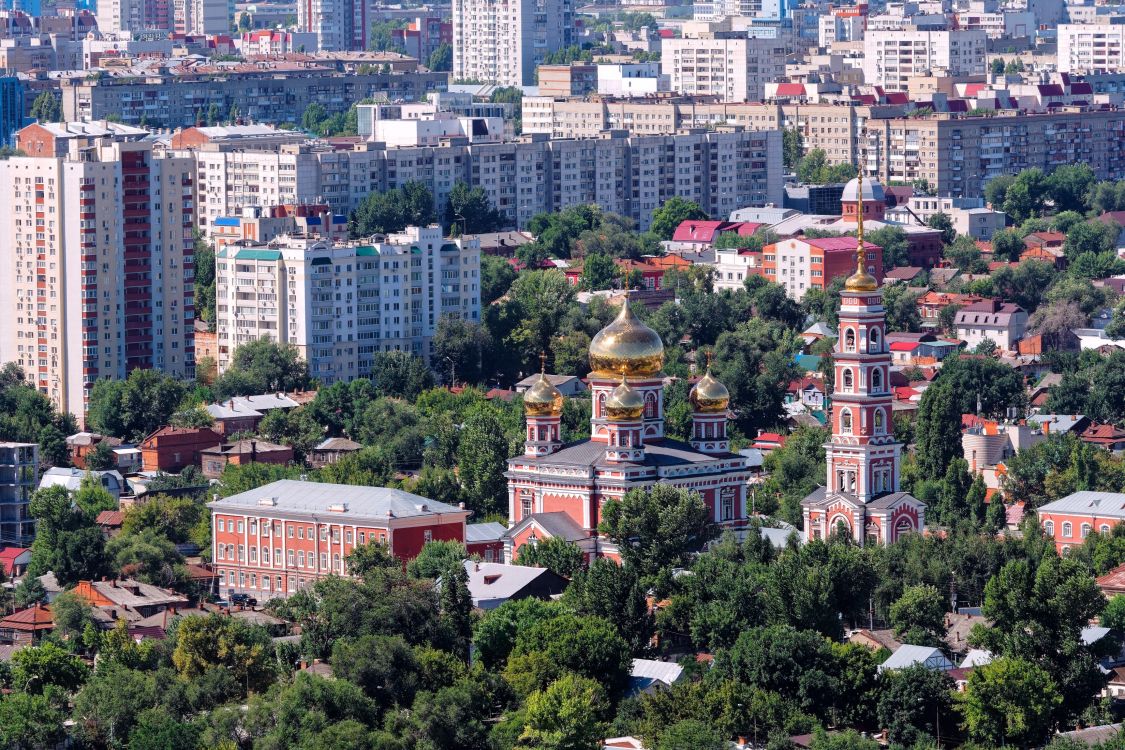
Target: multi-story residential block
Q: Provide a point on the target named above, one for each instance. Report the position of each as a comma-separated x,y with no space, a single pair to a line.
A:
338,24
277,539
265,223
131,16
570,79
19,476
97,249
726,64
632,79
803,264
722,170
266,92
422,36
340,303
1002,323
202,17
892,57
1091,47
503,42
272,42
970,217
958,155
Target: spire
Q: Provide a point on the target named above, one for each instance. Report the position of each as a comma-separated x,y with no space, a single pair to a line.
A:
859,264
542,362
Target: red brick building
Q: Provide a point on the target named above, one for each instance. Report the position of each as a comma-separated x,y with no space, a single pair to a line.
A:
1069,520
241,452
276,539
172,449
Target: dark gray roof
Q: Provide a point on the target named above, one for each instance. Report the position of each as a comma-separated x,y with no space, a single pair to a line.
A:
887,501
557,524
1094,735
484,532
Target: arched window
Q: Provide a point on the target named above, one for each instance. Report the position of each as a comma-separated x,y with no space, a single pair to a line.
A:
880,426
1104,528
846,421
849,340
873,341
1086,529
847,380
903,526
1049,528
876,381
601,405
650,405
1068,530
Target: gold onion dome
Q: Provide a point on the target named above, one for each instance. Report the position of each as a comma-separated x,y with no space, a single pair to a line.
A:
543,399
709,395
625,403
627,345
861,280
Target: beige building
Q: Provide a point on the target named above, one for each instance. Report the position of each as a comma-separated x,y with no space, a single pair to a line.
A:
724,64
503,42
722,170
96,245
339,303
1091,48
892,57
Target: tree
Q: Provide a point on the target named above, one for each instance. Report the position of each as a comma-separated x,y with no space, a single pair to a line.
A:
400,374
156,728
393,210
456,609
1009,700
814,169
674,212
147,555
937,432
792,147
913,703
264,366
617,594
795,663
997,66
203,643
496,277
919,611
92,497
554,553
901,304
46,108
1069,184
441,59
942,222
598,272
135,407
565,716
691,734
482,458
30,721
71,614
383,665
461,345
67,542
36,667
436,558
1025,195
1007,245
587,646
755,362
496,633
470,211
101,458
656,528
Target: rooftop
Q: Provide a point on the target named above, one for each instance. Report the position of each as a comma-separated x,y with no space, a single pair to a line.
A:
340,500
1085,502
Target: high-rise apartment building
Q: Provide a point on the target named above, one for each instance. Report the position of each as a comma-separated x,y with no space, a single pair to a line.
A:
338,24
725,64
891,57
340,303
1091,48
11,108
502,41
96,252
132,16
19,476
201,17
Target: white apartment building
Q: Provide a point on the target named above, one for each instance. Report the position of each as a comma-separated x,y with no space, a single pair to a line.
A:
722,170
733,266
632,79
339,303
1091,48
503,41
339,25
892,57
96,247
726,64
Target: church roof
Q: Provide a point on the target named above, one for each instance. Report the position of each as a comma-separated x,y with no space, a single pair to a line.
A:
666,452
557,524
820,496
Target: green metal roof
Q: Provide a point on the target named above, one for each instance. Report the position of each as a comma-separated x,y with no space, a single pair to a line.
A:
366,252
258,255
322,261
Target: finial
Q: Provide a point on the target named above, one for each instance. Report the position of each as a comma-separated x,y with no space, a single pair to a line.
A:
542,362
707,355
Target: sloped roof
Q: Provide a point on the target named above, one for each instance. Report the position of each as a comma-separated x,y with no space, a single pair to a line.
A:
320,497
490,531
34,618
908,655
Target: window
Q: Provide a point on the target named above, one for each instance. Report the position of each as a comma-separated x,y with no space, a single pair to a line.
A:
1067,530
846,422
876,381
300,532
290,529
726,509
880,426
290,557
323,559
847,378
525,506
849,340
1086,529
222,551
221,525
873,338
427,536
301,558
1104,528
1049,528
489,555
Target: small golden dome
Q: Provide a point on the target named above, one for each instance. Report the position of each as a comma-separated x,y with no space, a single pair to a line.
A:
861,280
543,399
709,396
625,403
627,345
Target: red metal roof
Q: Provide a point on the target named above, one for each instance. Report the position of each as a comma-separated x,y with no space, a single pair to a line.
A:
904,346
790,89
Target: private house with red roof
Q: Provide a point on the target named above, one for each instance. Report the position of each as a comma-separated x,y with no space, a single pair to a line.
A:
1112,583
14,561
1106,436
171,449
919,349
808,391
27,627
110,521
651,269
696,235
1053,255
933,302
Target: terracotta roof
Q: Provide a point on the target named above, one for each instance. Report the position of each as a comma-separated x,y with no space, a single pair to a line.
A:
1114,580
110,518
31,619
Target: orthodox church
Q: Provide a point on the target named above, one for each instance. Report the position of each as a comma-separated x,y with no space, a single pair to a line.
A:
557,489
862,497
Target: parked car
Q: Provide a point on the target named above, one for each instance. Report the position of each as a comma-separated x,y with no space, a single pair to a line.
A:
243,600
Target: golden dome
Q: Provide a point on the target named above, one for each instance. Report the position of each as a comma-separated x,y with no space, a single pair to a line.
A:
625,403
543,399
861,280
627,345
709,396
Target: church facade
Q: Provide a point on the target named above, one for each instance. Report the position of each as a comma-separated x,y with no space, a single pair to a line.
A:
862,496
557,489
